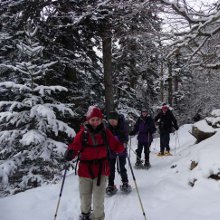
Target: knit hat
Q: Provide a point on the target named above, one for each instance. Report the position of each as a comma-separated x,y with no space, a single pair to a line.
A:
164,108
94,111
113,115
144,109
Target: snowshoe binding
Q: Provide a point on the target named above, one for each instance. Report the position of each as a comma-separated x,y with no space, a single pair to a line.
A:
111,190
147,165
84,216
125,188
160,154
167,153
138,164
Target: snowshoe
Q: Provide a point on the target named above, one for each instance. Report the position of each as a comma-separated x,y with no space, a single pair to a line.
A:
138,164
111,190
147,166
85,216
160,154
167,153
125,188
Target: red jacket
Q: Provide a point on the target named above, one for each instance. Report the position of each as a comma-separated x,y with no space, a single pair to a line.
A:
91,152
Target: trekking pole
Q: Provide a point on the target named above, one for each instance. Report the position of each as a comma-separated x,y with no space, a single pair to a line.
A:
129,152
175,142
132,172
61,190
178,139
155,144
130,149
118,164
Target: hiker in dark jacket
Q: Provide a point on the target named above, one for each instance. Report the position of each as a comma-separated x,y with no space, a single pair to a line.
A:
119,128
145,128
166,122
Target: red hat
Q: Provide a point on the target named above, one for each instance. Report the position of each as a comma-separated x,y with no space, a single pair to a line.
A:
164,108
94,111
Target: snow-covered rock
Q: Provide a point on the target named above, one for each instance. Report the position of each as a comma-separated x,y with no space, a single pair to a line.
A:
201,130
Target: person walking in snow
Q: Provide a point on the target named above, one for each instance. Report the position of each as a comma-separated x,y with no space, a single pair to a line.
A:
93,143
145,128
119,128
166,121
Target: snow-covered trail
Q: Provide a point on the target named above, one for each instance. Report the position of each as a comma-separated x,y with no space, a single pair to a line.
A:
164,191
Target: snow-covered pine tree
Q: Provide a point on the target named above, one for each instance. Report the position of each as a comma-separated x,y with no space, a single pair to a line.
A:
31,128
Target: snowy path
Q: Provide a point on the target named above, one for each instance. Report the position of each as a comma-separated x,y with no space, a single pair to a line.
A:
165,193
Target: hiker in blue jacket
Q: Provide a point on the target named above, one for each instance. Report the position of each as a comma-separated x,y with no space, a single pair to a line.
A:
119,128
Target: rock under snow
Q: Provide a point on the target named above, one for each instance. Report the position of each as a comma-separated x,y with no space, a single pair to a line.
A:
215,113
201,130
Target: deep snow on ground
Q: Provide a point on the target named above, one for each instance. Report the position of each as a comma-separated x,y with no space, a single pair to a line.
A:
164,189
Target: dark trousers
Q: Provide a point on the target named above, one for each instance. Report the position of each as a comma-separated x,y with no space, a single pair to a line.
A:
121,169
139,150
164,141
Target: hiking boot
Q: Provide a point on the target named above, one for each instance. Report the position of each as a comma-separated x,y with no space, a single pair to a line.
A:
84,216
125,187
111,190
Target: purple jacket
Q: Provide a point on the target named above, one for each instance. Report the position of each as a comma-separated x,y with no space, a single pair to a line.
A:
145,127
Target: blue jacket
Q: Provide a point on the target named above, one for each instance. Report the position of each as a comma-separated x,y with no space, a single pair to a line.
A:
120,132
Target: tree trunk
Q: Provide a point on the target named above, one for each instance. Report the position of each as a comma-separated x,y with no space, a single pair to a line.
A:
161,83
170,84
107,64
176,87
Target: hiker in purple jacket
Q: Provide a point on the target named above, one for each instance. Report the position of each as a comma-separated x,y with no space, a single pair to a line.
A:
145,128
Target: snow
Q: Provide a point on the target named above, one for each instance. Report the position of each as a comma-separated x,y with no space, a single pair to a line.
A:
203,126
164,189
216,113
33,137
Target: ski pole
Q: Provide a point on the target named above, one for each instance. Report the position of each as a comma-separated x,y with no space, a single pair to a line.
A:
132,172
61,190
178,139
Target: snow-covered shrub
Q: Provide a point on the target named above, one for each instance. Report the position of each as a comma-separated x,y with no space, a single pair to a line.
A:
31,128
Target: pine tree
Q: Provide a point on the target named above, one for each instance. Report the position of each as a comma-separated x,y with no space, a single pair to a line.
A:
31,128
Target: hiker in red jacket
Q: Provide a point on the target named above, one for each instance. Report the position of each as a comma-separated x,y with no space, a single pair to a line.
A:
93,143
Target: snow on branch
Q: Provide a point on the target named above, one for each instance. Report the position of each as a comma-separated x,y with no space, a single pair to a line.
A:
183,12
12,85
42,112
29,50
61,108
47,89
201,29
33,137
10,166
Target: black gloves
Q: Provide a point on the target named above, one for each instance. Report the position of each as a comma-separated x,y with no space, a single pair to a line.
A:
68,155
